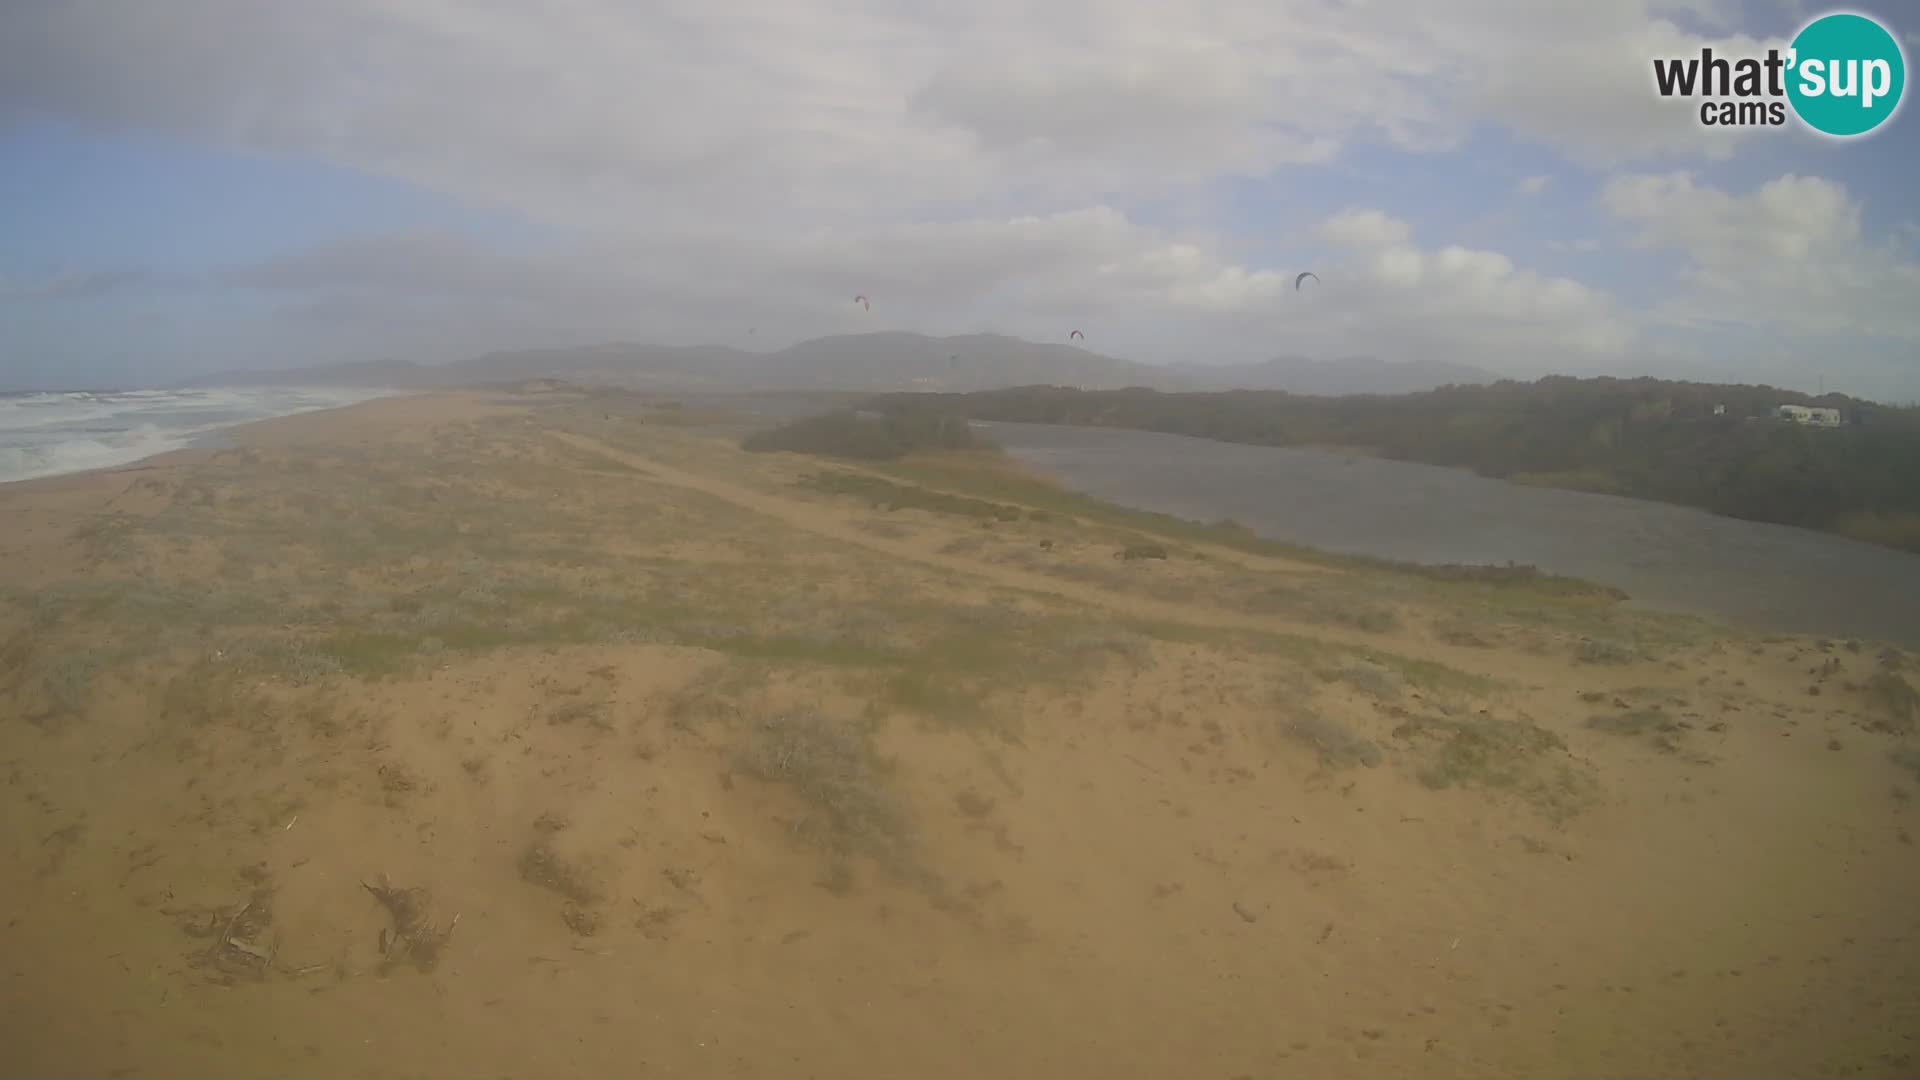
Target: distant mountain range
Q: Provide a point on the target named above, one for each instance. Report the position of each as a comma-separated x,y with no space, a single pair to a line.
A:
877,362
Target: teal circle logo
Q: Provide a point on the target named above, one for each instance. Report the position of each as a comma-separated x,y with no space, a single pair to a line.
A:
1845,74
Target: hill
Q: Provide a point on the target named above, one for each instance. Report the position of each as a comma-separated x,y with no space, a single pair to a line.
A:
869,363
624,364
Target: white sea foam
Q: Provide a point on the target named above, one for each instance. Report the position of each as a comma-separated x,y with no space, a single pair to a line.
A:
47,434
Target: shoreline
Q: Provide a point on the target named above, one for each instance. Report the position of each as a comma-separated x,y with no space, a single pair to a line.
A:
376,417
1670,558
202,442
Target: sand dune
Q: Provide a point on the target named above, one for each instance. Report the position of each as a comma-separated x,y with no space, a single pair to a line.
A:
551,735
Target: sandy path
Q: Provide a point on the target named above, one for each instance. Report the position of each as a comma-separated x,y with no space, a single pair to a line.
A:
812,520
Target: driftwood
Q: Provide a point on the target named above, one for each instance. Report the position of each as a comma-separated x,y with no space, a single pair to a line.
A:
241,947
413,938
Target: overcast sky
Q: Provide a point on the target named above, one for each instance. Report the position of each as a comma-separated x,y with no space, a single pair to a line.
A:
204,184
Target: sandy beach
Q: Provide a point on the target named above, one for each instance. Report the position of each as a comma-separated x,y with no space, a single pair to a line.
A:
550,734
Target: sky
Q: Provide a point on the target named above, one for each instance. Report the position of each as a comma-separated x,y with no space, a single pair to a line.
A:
205,185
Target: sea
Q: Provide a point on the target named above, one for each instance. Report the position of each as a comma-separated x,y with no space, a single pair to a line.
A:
51,433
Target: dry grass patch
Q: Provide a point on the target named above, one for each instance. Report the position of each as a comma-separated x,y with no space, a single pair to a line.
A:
847,803
1337,744
1896,703
1652,726
1492,754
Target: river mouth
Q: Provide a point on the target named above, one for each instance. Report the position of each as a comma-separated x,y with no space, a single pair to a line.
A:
1668,558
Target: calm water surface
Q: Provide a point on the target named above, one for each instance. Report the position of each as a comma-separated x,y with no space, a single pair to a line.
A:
1668,557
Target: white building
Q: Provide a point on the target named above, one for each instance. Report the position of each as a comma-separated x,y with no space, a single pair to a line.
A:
1802,414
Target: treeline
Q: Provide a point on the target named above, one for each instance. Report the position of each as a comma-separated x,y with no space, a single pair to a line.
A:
870,436
1699,444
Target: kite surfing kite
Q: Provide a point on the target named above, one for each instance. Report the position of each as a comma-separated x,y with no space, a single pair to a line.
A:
1076,334
862,301
1302,277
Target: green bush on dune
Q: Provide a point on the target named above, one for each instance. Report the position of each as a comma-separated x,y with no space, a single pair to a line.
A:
868,436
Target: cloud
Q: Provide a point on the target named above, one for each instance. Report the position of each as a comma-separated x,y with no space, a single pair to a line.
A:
1157,290
695,168
1579,78
412,261
73,284
602,114
1462,303
1790,255
702,283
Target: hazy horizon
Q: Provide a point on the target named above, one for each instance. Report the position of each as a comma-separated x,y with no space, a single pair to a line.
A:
1472,185
1816,385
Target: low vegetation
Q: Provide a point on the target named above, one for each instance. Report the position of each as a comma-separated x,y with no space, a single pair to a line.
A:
1652,725
1532,577
887,495
1593,651
846,803
1645,438
1494,754
604,707
248,612
1337,745
1896,703
1485,602
868,436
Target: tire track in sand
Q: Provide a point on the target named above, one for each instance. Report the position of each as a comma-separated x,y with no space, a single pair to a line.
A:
811,519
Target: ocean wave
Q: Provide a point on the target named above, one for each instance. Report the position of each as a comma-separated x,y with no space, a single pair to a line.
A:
48,434
36,460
